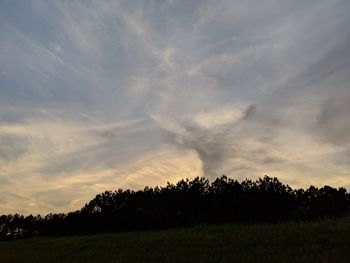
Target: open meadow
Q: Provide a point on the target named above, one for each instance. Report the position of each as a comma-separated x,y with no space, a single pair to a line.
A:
321,241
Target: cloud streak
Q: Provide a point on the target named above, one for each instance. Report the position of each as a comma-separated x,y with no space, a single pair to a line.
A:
102,95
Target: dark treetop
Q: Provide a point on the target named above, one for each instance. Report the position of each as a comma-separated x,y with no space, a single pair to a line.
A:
188,202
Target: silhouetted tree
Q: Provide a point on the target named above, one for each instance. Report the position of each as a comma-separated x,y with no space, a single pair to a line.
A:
185,203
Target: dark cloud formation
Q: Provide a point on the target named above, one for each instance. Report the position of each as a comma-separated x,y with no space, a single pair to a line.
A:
239,144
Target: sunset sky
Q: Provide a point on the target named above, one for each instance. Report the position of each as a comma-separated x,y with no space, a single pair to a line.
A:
101,95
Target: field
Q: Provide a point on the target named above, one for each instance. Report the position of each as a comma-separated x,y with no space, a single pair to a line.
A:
322,241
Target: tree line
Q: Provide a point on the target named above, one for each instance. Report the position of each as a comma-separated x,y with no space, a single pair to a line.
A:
186,203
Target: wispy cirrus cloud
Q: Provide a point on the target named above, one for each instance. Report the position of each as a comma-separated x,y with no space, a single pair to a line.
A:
102,95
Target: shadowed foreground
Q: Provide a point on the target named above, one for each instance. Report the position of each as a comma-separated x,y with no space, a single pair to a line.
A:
322,241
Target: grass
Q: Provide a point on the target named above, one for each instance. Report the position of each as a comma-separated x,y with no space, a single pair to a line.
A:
321,241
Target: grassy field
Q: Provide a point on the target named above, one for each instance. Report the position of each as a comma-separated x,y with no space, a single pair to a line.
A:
323,241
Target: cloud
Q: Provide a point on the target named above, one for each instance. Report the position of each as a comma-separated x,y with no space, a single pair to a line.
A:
333,121
12,147
102,95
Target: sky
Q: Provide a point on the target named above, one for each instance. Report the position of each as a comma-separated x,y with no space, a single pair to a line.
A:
102,95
